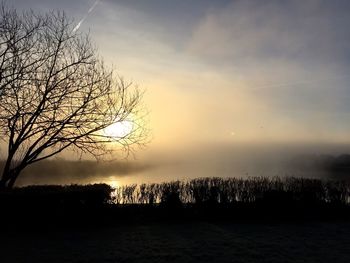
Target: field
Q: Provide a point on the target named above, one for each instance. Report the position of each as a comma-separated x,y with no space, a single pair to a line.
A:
181,242
203,220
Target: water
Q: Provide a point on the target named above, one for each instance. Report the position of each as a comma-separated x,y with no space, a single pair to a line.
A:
308,161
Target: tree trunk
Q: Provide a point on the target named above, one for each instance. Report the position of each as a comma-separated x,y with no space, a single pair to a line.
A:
6,172
9,177
12,180
2,184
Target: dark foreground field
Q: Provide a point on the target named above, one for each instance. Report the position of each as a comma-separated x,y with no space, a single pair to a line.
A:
203,220
181,242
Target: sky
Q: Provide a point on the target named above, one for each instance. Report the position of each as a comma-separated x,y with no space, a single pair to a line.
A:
226,72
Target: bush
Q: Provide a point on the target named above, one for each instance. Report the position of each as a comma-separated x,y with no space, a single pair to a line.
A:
54,196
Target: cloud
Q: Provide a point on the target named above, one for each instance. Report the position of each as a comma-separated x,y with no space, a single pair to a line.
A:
291,59
272,70
250,30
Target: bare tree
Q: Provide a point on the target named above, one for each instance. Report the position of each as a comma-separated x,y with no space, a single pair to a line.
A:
56,93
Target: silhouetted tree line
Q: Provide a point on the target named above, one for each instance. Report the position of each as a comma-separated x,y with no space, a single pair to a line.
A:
233,190
256,198
197,191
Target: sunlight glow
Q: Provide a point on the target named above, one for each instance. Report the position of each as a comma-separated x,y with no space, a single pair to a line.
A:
119,129
114,183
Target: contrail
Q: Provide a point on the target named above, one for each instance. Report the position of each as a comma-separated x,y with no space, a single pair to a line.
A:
86,15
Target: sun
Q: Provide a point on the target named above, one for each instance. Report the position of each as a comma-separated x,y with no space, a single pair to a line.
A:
119,129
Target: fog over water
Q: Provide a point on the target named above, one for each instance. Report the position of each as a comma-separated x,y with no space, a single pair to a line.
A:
325,161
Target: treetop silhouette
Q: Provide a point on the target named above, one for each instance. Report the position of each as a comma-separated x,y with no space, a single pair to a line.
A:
56,93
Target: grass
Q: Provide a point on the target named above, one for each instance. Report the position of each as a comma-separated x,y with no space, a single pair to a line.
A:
181,242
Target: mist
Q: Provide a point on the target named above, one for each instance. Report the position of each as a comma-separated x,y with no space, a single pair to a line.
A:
241,160
65,172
